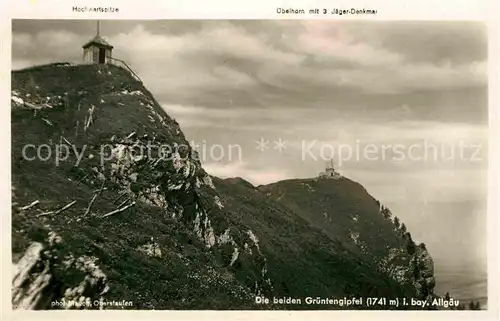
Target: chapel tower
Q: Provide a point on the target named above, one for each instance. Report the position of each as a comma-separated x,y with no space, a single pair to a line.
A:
97,50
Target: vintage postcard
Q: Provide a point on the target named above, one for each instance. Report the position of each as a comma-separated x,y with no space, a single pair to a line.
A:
305,158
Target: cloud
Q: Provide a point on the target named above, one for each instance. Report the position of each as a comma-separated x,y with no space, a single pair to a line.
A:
455,42
342,60
398,146
46,46
394,147
196,62
332,41
323,125
255,62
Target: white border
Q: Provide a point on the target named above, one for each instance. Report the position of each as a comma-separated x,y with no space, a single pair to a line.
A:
265,9
256,9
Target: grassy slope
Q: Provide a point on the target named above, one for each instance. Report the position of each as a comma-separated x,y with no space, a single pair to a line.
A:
338,208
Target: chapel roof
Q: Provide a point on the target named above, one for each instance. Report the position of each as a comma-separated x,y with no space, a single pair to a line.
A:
99,41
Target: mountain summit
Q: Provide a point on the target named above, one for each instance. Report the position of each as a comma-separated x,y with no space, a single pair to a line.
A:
99,223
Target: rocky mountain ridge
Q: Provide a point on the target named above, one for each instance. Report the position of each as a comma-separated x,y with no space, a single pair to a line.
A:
102,221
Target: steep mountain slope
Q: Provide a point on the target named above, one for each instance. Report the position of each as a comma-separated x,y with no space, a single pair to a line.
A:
346,213
301,260
122,211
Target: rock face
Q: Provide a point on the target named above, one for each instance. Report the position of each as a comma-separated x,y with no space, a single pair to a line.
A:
423,269
38,279
27,285
138,219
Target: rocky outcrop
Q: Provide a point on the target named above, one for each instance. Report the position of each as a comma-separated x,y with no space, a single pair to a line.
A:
415,269
31,278
423,271
40,279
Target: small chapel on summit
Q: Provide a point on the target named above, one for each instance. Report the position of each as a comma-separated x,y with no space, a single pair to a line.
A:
97,50
330,172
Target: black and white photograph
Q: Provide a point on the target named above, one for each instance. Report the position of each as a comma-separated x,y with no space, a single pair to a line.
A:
303,164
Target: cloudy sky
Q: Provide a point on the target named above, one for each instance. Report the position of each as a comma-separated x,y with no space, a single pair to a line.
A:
326,89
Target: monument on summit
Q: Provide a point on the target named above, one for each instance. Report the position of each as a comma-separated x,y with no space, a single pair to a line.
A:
330,172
